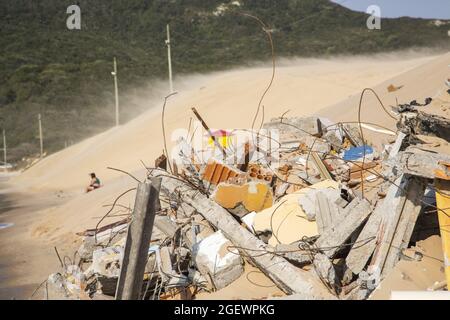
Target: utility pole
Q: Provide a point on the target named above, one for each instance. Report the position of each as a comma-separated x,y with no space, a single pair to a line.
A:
116,90
4,150
169,58
41,139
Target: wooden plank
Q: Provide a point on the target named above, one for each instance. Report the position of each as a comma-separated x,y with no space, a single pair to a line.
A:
286,276
324,173
137,243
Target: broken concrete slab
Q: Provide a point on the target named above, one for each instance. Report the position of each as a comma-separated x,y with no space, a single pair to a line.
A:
425,164
106,262
308,202
215,256
365,244
335,237
398,222
352,217
353,134
87,248
314,144
395,148
324,267
324,212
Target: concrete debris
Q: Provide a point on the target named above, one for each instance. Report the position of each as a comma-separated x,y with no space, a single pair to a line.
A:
215,256
300,126
56,288
324,267
353,134
312,199
334,217
106,262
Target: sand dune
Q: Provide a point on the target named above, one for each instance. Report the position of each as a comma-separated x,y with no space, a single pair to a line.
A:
225,100
417,84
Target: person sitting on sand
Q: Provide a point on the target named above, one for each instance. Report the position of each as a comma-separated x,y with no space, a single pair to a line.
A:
95,183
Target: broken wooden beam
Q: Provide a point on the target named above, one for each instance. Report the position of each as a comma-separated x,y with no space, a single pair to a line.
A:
286,276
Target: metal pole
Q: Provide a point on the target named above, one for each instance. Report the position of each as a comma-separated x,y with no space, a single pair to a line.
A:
169,58
4,150
41,139
205,126
116,91
139,234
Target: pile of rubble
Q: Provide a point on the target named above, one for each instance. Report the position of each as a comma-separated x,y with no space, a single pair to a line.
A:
330,220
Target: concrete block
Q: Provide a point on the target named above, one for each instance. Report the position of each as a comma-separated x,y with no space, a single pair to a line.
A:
213,256
308,201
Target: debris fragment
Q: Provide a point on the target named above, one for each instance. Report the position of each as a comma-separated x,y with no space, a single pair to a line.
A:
215,257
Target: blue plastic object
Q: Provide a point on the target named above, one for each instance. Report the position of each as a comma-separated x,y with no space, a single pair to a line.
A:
356,153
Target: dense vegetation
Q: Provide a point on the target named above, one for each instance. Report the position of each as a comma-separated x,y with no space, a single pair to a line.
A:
66,74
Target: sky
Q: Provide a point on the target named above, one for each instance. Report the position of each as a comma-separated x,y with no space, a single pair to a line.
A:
431,9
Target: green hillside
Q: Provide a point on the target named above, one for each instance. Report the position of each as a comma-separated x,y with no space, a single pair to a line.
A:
66,74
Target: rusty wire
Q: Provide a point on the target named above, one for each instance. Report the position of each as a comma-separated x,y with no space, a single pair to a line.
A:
110,210
164,128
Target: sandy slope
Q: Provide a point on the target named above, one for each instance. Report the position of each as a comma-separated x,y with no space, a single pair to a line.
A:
225,100
418,84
